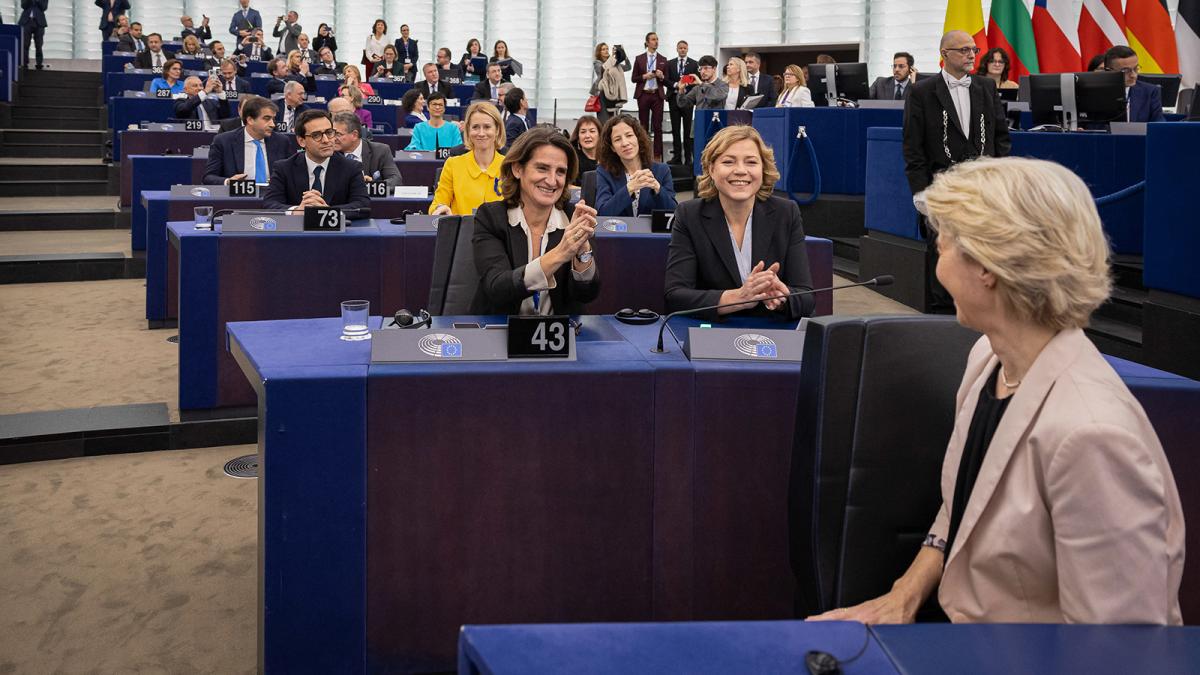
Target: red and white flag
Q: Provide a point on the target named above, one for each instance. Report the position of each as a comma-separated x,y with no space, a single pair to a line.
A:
1056,35
1101,26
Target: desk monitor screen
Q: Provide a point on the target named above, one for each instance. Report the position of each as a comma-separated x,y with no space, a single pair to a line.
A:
1096,98
1008,94
1169,84
849,81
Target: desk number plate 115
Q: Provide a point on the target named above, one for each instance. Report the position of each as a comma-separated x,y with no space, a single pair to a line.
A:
539,337
243,188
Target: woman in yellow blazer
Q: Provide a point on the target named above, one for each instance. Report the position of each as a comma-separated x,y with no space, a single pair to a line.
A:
471,179
1058,503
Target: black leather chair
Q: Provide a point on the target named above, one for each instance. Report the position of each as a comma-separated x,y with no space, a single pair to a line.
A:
454,275
588,188
876,408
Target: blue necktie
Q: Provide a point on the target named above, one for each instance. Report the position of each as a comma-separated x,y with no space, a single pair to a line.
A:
260,164
317,179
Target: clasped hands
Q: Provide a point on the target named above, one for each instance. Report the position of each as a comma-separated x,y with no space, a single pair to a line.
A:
577,236
762,283
642,178
309,198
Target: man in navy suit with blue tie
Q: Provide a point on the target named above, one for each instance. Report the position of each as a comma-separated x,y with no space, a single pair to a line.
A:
245,20
318,176
1143,100
251,151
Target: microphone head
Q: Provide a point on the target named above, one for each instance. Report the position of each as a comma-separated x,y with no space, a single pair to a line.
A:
885,280
404,318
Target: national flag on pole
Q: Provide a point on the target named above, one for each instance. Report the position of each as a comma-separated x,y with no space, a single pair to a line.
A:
967,15
1010,28
1101,26
1148,27
1056,35
1187,42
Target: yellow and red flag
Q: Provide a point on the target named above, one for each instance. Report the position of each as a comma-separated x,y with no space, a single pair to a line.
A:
967,15
1148,27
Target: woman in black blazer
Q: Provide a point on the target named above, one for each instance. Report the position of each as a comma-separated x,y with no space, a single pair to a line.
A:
533,254
737,243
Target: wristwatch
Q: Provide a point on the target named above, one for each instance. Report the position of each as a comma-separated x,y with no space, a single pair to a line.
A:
585,257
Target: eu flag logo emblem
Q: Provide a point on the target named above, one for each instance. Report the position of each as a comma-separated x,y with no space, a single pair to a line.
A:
766,351
452,350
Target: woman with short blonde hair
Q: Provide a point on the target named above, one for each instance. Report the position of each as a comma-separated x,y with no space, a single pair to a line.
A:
1058,505
762,239
473,179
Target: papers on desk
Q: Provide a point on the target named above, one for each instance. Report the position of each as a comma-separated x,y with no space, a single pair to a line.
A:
411,192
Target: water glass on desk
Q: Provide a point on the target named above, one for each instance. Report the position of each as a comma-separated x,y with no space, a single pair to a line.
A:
203,217
354,320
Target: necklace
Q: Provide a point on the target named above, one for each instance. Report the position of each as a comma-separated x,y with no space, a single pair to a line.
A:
1004,378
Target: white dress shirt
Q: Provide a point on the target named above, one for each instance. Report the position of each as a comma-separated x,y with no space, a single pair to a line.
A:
961,95
356,153
743,254
535,278
374,46
324,171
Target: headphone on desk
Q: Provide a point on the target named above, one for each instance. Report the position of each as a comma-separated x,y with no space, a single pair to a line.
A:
640,317
405,319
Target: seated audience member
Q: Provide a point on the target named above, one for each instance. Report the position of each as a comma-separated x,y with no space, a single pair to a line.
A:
895,88
317,176
355,96
250,151
446,68
203,33
132,41
1097,63
201,102
825,58
253,49
327,65
214,56
517,107
412,108
153,56
292,105
489,89
234,122
501,56
1058,505
585,138
390,65
122,28
325,39
307,53
352,77
628,181
172,78
471,179
437,132
432,82
1144,99
794,93
532,249
710,93
995,64
762,237
230,82
191,48
375,158
291,70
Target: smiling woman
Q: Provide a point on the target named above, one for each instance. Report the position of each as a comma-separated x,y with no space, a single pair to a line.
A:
532,250
737,244
628,181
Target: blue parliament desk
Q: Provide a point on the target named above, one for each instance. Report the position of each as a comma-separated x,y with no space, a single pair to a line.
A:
1106,162
616,487
222,278
162,264
148,173
711,648
1001,649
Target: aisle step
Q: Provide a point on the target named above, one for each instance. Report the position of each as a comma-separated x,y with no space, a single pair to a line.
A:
52,188
54,267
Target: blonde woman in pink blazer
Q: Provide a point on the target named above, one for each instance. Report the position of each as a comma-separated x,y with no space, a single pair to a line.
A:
1058,503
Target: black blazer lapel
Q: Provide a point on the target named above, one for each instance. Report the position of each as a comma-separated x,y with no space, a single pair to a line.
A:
943,95
763,234
239,154
717,231
981,108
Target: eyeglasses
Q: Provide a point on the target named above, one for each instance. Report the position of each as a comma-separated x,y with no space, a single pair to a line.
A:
965,51
327,134
1129,71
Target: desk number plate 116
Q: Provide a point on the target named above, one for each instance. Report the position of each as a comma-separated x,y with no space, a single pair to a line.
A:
539,337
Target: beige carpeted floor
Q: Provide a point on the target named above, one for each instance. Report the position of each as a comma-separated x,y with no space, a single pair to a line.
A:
78,345
128,563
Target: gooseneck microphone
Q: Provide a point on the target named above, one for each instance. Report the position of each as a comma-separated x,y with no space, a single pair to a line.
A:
881,280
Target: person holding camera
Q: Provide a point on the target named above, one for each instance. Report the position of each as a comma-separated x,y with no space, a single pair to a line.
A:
288,32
